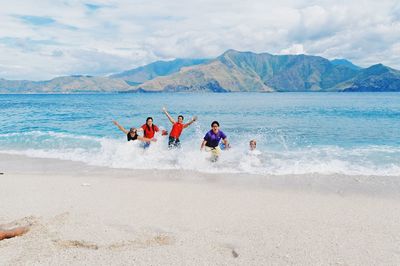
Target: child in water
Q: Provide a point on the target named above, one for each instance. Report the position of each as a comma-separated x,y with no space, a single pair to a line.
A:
253,148
252,156
253,144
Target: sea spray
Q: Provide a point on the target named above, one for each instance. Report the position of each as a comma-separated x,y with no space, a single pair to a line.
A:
118,153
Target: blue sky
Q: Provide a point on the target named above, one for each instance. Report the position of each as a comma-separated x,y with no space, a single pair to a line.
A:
43,39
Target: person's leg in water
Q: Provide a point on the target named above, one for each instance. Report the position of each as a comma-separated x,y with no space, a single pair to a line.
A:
177,143
215,152
173,143
146,145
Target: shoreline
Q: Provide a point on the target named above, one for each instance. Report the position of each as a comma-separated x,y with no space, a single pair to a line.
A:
371,185
80,214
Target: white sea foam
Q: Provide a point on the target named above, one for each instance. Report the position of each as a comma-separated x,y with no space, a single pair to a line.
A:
117,153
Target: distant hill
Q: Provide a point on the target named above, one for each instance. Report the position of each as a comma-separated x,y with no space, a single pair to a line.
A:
153,70
375,78
233,71
68,84
346,63
247,71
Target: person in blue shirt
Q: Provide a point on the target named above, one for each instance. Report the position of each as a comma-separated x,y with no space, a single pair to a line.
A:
211,141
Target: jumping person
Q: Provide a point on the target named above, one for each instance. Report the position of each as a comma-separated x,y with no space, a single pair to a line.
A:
177,127
149,129
132,133
211,141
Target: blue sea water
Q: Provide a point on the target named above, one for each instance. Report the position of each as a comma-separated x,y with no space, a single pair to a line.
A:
296,133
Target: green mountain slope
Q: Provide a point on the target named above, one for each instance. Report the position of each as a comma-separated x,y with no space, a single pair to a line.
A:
153,70
247,71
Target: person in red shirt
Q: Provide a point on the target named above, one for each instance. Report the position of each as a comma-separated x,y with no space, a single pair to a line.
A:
131,134
177,127
149,129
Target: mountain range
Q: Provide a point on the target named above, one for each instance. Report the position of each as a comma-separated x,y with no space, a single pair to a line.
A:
233,71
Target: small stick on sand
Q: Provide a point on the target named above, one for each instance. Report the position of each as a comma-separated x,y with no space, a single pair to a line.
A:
17,231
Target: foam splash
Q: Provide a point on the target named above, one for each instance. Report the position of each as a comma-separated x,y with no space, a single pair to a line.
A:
117,153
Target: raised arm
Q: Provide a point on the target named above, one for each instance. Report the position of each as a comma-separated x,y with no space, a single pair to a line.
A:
120,127
190,122
168,115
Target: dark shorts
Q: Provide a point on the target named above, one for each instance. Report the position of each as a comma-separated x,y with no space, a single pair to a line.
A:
173,143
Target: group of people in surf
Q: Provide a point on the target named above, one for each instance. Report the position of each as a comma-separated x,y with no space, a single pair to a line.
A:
211,141
149,130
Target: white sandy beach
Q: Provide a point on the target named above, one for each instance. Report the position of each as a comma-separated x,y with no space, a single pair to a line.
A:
84,215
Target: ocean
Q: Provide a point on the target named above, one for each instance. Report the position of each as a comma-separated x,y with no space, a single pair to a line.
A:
296,133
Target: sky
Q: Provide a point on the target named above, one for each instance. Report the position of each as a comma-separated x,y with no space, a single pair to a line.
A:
40,40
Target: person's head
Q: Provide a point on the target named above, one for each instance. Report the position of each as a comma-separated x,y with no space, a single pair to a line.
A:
149,121
132,131
215,126
180,118
253,144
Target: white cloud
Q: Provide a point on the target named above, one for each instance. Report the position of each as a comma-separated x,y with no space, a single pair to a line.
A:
99,37
296,48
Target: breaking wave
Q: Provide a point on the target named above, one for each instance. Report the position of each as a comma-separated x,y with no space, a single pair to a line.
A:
117,153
